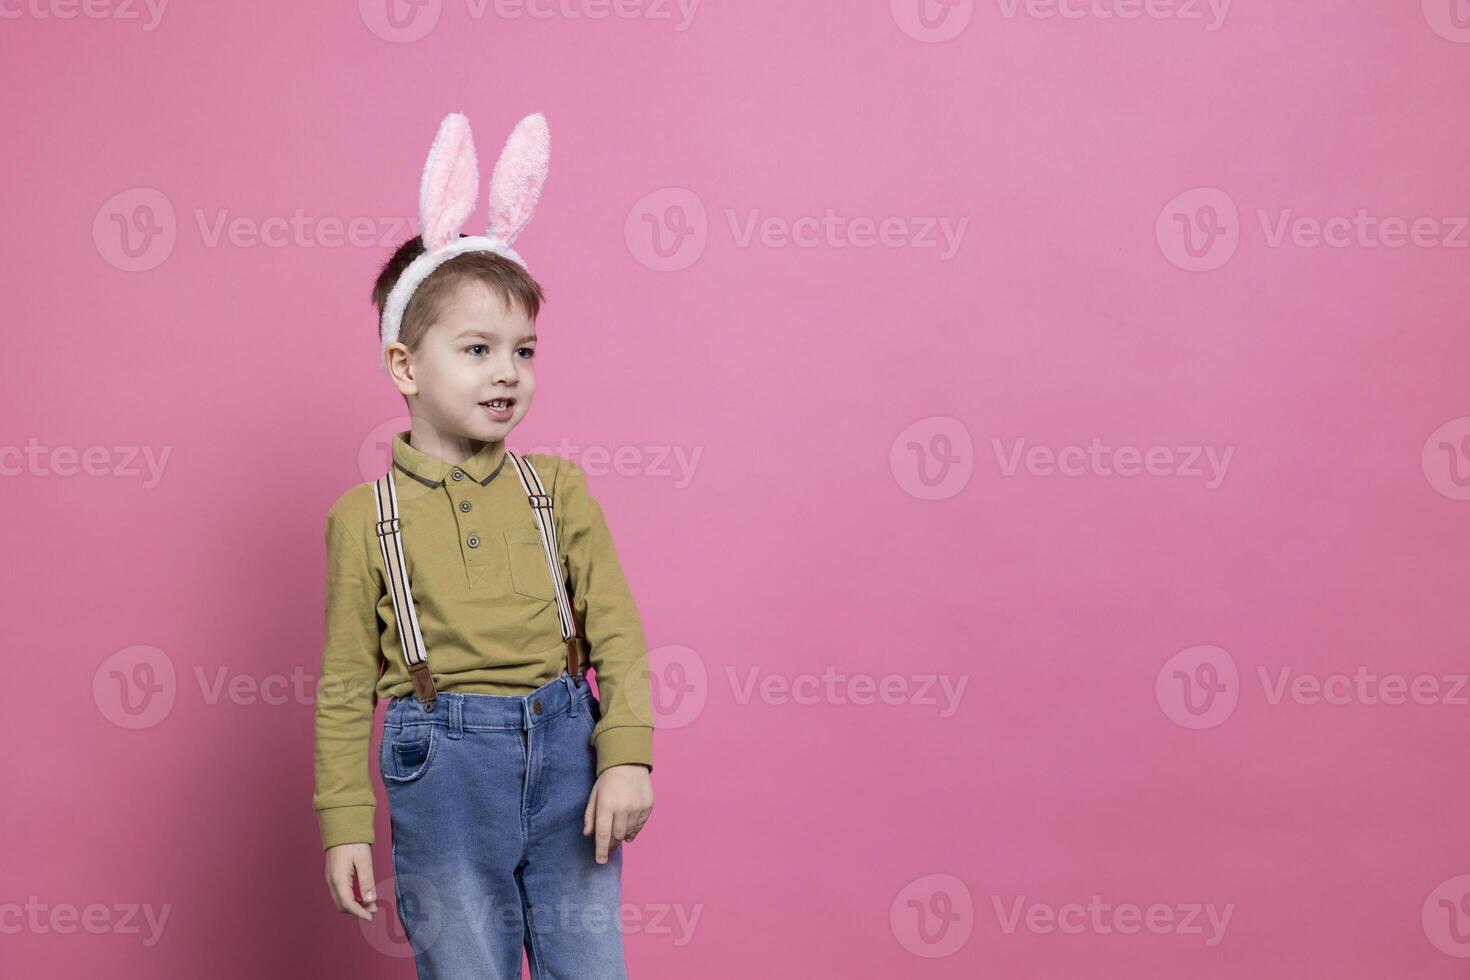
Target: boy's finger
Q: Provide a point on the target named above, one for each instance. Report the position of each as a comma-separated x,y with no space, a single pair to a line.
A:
620,827
587,814
342,891
365,883
604,832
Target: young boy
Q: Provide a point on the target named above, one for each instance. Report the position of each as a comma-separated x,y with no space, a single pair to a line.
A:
510,787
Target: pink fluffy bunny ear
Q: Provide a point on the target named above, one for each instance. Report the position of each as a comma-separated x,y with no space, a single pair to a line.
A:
450,184
516,183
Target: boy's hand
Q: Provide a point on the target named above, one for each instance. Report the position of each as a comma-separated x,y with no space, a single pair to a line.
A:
343,862
619,805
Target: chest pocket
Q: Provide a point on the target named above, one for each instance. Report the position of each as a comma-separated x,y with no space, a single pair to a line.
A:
527,557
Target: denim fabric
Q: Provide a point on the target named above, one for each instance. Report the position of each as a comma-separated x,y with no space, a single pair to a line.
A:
486,795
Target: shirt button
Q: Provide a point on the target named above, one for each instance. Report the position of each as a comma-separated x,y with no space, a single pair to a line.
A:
536,706
457,475
473,541
464,505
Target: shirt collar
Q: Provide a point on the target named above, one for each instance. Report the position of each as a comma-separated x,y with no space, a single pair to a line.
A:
431,471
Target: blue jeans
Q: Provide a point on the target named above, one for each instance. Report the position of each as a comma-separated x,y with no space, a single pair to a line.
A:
486,795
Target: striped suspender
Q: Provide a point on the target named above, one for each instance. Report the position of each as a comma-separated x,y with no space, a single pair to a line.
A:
390,537
571,633
391,542
541,507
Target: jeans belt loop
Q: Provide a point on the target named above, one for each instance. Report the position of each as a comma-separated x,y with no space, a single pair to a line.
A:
456,716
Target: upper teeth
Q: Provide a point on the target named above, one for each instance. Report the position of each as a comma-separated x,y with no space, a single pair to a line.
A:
498,403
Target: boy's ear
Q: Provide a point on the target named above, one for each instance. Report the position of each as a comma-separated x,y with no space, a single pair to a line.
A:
450,183
519,174
399,364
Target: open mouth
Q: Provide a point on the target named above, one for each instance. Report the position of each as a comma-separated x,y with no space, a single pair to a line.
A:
499,408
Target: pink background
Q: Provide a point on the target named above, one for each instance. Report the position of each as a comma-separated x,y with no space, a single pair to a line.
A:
849,509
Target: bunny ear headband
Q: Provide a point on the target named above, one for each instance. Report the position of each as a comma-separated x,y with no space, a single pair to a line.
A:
447,196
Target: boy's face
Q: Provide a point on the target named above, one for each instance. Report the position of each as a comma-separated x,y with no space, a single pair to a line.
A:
478,351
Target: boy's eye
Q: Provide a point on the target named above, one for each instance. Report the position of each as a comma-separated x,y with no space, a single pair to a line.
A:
527,352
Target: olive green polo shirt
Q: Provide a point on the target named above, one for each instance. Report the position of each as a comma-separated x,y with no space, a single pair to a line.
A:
486,610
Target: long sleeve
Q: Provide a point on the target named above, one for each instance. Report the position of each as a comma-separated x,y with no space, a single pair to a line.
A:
346,692
604,605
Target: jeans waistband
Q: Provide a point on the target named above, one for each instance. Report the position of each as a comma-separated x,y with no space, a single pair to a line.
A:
556,697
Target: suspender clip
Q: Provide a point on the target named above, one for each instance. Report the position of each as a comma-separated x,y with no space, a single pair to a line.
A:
540,500
576,647
423,684
392,525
